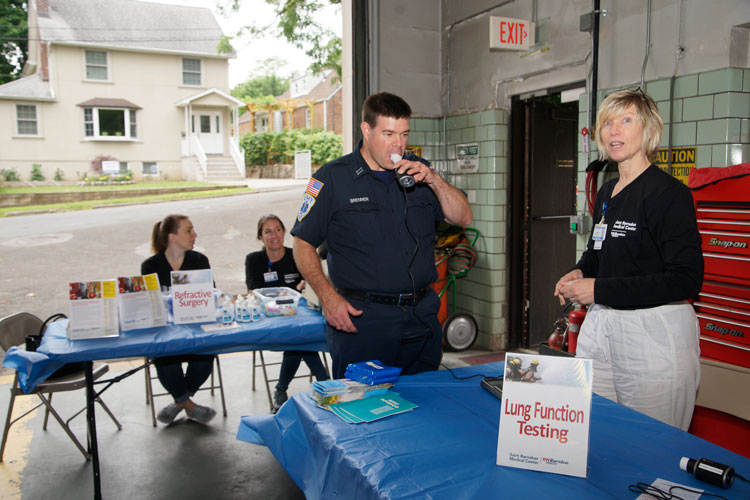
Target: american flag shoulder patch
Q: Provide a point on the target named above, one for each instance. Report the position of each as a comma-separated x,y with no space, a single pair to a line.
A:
314,187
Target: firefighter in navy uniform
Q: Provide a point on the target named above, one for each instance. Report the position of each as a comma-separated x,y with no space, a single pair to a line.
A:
380,240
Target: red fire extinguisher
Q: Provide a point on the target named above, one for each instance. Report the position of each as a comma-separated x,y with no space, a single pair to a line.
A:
575,320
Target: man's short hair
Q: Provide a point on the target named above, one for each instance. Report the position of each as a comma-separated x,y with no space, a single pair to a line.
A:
384,104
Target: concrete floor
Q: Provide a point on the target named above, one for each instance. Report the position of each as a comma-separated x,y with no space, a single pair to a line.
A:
185,460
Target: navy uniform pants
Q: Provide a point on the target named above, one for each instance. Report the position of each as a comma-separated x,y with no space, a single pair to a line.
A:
407,337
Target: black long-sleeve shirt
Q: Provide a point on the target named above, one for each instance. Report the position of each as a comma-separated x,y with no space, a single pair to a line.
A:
159,264
652,251
258,269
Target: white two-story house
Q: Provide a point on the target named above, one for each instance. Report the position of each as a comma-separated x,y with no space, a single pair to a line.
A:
139,82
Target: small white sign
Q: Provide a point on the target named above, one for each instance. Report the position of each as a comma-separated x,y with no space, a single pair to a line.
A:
507,33
467,157
111,167
193,297
545,414
303,164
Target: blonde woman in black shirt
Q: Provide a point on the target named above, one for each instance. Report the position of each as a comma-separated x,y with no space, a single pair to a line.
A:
642,263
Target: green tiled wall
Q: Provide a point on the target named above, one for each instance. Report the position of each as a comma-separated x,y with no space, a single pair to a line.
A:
483,291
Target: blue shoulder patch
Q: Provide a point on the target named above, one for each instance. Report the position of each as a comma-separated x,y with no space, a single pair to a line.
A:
307,203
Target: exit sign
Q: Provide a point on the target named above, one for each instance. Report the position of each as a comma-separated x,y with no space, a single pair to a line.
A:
507,33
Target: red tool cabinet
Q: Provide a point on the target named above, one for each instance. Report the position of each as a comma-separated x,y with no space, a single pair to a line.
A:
722,204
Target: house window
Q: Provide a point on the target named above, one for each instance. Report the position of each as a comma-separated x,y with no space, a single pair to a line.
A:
133,131
26,121
109,122
150,168
191,71
96,65
308,123
123,167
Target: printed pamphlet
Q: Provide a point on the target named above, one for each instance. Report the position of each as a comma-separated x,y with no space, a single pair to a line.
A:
372,408
545,414
140,302
93,309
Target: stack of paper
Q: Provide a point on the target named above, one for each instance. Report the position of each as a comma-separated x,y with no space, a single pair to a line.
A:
373,408
328,392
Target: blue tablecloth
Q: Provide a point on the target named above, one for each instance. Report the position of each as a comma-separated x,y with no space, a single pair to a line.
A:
446,449
305,331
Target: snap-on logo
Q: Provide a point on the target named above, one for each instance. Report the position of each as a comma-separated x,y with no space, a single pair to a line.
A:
727,243
724,331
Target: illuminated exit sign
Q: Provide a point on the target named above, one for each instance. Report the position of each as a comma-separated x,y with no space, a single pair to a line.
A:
511,34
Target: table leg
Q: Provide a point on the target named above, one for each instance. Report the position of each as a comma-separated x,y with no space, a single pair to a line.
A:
91,419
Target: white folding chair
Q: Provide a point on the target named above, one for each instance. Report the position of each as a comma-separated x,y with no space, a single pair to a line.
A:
13,331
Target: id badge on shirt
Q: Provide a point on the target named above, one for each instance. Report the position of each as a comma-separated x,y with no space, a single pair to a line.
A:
600,233
270,276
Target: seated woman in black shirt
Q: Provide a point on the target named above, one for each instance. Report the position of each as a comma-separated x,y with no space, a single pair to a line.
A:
172,240
274,266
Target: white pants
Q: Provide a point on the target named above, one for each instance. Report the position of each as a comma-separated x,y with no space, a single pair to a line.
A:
646,359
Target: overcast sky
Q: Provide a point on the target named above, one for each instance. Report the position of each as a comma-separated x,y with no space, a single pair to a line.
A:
251,52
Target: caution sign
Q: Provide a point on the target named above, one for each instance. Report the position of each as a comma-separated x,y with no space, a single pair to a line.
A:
416,150
683,161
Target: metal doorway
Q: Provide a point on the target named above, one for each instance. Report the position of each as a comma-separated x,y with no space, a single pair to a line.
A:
543,195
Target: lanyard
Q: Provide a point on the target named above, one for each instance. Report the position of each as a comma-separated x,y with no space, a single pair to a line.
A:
604,211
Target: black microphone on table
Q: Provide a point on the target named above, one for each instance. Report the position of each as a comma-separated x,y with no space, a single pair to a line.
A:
405,180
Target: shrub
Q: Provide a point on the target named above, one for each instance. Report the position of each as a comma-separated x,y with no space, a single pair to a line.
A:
36,173
266,148
59,175
10,174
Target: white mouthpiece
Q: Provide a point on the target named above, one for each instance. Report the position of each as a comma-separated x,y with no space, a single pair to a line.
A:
395,158
684,463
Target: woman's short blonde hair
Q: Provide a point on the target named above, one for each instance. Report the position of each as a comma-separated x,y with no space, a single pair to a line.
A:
646,112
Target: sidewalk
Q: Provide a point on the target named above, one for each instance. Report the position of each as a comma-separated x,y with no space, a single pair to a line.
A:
275,184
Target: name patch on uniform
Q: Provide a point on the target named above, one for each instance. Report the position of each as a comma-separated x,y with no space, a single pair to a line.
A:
307,203
314,187
359,200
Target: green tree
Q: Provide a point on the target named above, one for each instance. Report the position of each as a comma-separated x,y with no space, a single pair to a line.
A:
295,21
14,40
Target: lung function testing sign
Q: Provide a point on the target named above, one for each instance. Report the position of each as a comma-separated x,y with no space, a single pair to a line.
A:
545,414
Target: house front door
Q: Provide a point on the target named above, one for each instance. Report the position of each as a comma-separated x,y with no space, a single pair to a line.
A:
209,130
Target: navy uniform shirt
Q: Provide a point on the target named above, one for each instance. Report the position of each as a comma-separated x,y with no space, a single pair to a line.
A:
361,219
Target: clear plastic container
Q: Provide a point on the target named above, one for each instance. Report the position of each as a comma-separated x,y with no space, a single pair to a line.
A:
277,301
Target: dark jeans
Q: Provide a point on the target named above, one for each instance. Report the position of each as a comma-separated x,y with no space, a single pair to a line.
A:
182,385
290,363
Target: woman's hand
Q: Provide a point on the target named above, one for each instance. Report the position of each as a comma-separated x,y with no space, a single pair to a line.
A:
301,286
575,274
578,290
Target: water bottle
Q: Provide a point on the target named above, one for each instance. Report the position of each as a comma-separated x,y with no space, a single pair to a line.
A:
227,310
241,310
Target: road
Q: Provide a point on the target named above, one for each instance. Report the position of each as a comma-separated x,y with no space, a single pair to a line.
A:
41,254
